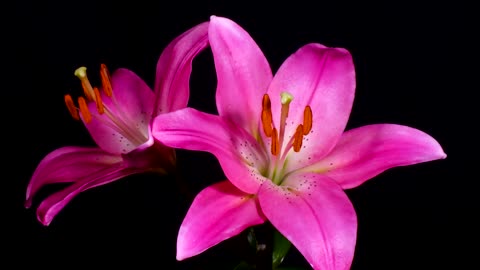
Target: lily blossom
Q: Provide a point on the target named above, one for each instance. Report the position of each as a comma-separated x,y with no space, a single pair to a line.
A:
281,143
118,116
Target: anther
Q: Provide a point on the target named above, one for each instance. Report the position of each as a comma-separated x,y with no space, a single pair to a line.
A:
307,120
105,76
98,101
87,117
81,73
267,122
275,147
298,138
266,104
267,116
71,107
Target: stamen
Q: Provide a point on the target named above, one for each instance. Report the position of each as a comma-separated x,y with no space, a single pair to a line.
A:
267,116
98,101
106,84
298,138
275,147
81,73
266,104
71,107
267,122
87,117
307,120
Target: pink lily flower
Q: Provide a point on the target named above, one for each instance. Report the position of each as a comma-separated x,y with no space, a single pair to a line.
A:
119,120
281,143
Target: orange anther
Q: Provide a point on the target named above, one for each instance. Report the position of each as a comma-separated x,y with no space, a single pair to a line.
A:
106,84
87,117
98,101
267,122
266,104
275,147
298,138
307,120
71,107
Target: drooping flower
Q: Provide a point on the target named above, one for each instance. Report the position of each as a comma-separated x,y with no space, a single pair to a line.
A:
281,143
118,116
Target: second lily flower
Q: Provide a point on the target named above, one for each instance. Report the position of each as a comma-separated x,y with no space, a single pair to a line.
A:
118,117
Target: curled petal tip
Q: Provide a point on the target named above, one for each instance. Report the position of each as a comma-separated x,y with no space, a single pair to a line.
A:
45,215
440,153
180,258
45,219
28,203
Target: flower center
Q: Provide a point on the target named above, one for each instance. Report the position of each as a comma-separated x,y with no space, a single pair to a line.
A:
279,154
110,115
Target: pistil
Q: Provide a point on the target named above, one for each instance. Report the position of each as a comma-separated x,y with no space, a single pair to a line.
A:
81,73
285,99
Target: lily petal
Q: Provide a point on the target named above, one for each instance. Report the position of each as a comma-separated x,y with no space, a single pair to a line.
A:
217,213
237,151
174,67
53,204
131,104
364,152
243,73
316,216
69,164
324,79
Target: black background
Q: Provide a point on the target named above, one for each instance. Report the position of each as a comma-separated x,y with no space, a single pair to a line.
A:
414,65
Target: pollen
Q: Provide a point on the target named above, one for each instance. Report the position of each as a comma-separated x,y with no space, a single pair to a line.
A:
267,123
267,116
307,120
98,101
87,117
298,138
106,84
71,107
266,104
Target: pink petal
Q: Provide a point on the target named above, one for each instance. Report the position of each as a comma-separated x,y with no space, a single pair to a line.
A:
131,105
243,73
174,67
316,216
53,204
239,154
323,78
217,213
69,164
364,152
